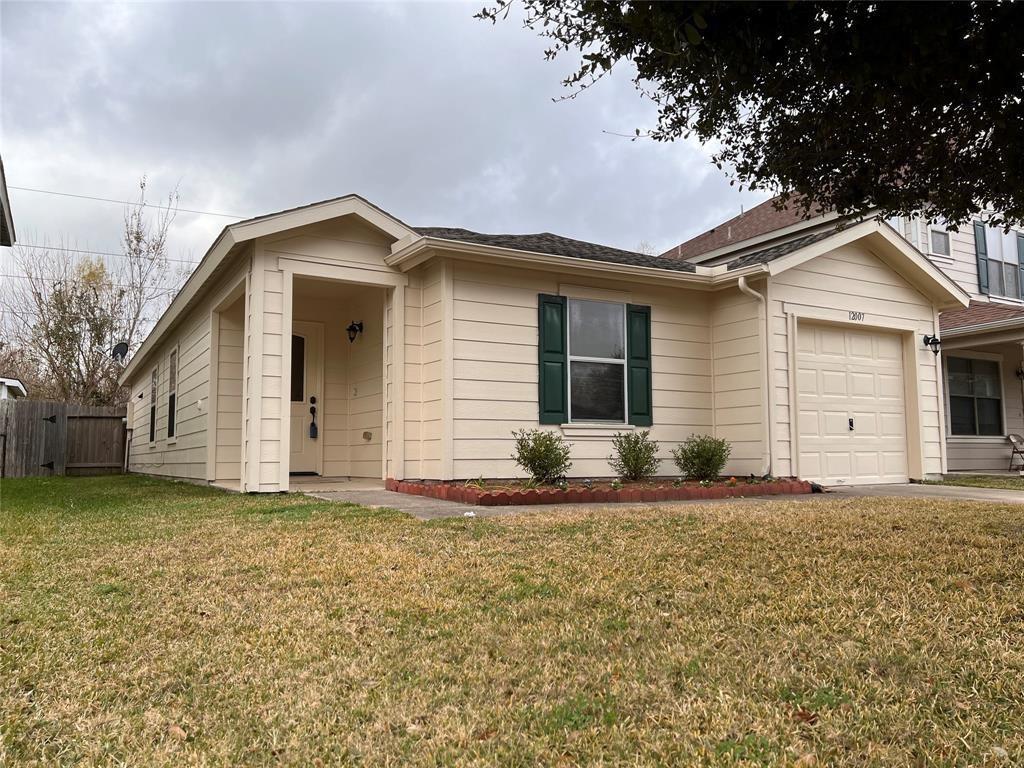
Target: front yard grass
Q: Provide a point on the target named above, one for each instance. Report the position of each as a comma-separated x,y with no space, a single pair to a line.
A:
1007,482
151,623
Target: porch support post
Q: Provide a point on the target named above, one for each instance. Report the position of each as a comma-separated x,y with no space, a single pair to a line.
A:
398,381
286,372
252,374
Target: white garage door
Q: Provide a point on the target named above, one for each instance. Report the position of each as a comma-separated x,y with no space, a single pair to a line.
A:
852,421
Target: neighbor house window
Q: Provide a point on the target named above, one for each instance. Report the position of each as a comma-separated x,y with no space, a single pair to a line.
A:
597,361
999,257
938,241
975,396
172,392
154,379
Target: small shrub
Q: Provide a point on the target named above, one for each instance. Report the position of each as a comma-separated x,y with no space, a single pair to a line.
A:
543,454
635,455
616,485
702,457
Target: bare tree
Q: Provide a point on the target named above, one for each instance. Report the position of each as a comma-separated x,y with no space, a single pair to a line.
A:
68,310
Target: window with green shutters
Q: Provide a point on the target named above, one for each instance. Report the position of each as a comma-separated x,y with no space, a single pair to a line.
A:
595,362
1000,258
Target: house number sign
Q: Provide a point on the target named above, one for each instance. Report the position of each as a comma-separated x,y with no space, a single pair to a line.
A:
859,316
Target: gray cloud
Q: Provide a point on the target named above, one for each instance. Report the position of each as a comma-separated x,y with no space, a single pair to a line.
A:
440,118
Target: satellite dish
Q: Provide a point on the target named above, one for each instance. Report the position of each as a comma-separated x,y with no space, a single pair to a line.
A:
120,351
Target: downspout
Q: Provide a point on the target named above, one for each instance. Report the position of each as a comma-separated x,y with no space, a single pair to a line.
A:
766,420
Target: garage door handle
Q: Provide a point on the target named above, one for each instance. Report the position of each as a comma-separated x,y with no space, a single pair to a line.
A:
851,425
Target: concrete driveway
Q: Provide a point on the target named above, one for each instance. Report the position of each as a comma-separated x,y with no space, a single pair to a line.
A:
919,491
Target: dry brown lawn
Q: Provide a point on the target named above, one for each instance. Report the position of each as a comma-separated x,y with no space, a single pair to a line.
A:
151,623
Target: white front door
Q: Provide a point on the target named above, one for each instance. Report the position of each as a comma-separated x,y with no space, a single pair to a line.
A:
306,394
851,413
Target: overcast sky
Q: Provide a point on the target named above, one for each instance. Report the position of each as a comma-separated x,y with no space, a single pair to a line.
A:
439,118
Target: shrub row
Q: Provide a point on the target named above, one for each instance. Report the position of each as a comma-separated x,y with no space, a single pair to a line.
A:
544,454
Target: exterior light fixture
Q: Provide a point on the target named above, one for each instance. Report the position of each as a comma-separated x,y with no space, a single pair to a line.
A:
932,341
353,330
1020,372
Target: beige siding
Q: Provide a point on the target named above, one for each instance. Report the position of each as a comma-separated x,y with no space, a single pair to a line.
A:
185,455
495,366
962,263
229,392
738,378
852,279
965,454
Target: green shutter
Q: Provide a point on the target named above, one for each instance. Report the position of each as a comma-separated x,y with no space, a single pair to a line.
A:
553,360
638,365
1020,264
982,252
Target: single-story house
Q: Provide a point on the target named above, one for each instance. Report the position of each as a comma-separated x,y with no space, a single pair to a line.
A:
334,339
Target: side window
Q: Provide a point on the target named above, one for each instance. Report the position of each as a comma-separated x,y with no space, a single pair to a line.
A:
172,393
154,380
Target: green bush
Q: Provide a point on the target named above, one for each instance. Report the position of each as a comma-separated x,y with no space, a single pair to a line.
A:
636,455
544,454
702,457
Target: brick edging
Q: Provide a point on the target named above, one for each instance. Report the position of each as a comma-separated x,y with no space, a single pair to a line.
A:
467,494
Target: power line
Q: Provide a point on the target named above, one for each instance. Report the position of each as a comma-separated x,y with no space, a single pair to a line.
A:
125,202
95,253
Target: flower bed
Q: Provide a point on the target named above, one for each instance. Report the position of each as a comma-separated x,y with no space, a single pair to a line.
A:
506,495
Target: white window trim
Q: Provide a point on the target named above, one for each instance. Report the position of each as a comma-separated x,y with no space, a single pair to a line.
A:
154,400
623,362
949,239
971,355
990,257
172,439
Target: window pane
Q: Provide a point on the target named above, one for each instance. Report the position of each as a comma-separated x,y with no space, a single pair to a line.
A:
1010,247
961,415
990,421
597,391
994,243
298,368
172,374
940,242
596,329
995,277
1010,280
985,378
958,372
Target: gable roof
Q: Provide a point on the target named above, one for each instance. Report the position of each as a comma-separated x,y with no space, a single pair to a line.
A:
979,313
556,245
759,220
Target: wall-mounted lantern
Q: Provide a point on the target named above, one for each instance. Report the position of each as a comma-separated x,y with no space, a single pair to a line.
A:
1020,372
934,342
353,330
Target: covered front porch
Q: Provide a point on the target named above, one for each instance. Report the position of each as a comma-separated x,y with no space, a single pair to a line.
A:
300,359
983,384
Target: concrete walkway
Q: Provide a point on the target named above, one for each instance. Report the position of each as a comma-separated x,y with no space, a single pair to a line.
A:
425,508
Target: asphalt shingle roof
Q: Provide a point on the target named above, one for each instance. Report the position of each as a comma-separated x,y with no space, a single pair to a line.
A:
556,245
978,313
766,255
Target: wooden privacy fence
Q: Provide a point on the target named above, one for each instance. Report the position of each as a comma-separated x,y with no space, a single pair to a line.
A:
39,438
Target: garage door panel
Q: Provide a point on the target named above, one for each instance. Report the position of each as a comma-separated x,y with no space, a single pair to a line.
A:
850,373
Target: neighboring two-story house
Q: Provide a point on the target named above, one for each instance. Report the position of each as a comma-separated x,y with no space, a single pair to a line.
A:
981,346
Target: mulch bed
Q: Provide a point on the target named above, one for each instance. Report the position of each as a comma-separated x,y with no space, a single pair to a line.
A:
506,495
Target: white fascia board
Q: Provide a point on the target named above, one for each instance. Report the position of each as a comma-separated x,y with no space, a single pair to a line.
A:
996,325
923,271
316,213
